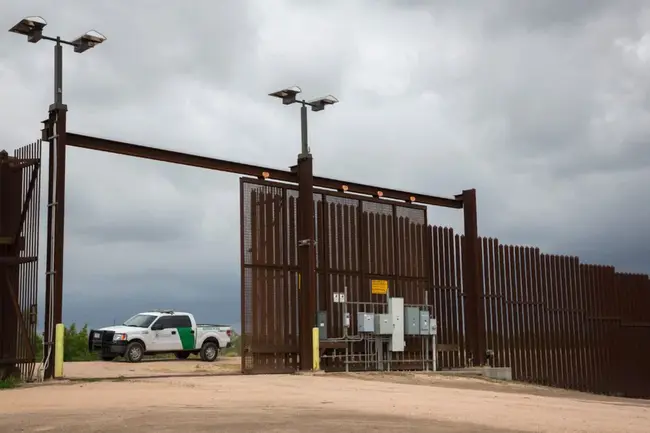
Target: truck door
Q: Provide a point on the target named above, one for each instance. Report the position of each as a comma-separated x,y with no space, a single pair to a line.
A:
165,339
186,331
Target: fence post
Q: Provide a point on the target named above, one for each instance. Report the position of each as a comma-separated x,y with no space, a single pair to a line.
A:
473,286
55,133
306,259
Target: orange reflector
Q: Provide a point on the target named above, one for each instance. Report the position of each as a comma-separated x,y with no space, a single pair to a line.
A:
412,198
265,174
344,187
380,194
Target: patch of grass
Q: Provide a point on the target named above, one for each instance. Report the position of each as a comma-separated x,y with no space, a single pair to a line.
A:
119,378
10,383
88,380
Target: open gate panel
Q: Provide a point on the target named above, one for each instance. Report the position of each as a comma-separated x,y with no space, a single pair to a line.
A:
19,229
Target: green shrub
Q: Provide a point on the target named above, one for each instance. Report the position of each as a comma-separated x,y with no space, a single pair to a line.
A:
235,349
38,347
75,345
9,383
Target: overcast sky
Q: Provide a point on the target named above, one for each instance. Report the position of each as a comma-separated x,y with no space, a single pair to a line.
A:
541,106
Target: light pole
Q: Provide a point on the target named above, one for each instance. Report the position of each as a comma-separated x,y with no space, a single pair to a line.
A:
32,27
288,97
306,242
54,132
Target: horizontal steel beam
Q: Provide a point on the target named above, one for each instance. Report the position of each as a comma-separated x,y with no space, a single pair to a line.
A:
10,361
375,191
20,163
174,157
13,261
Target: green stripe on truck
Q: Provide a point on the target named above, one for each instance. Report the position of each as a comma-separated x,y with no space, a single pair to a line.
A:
187,338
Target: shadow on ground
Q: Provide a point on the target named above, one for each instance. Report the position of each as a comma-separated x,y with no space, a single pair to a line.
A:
212,420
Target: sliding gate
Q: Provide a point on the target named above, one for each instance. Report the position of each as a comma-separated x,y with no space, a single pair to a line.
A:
358,239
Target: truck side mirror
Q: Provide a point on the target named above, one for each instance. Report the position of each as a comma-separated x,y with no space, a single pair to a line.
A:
156,327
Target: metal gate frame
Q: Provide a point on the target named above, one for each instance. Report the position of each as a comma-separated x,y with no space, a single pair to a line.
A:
357,239
269,275
55,132
19,241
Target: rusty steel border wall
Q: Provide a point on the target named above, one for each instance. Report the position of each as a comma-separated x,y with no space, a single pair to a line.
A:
553,320
558,322
19,244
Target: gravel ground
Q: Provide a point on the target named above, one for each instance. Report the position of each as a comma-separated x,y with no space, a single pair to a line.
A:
309,403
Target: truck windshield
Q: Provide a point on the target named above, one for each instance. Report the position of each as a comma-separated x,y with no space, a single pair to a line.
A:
140,320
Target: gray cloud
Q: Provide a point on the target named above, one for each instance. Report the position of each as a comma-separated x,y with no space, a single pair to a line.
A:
100,304
542,106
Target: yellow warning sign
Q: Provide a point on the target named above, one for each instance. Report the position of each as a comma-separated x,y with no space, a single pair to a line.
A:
379,287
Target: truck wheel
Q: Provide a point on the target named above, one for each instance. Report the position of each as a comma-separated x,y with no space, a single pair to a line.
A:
182,355
134,352
108,358
209,351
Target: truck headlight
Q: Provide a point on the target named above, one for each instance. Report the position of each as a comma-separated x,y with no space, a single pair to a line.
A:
119,337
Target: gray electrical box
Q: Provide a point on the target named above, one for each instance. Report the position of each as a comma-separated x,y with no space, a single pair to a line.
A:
365,322
433,326
321,321
396,311
383,324
425,328
411,321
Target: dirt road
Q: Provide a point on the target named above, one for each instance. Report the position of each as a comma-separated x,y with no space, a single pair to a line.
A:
158,367
305,403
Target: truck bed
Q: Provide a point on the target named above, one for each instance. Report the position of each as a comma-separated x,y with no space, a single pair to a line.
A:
217,327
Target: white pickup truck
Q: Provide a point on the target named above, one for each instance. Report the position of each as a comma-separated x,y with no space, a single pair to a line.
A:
160,331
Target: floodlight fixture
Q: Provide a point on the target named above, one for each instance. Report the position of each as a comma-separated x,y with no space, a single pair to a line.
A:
87,41
319,104
287,95
32,27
